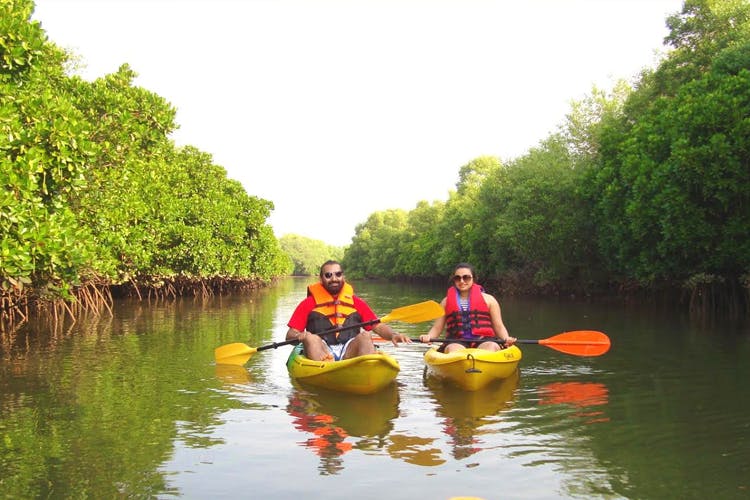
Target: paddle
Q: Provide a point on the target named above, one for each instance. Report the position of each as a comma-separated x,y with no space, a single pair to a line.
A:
239,353
577,342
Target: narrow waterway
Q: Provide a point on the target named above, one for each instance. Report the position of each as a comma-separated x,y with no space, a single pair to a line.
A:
133,405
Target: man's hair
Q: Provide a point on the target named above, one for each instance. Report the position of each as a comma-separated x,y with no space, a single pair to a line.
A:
328,263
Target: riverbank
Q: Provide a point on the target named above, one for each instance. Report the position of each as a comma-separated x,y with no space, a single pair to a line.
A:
701,297
19,303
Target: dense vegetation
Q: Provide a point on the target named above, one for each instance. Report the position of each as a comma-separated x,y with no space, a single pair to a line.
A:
95,195
644,188
308,254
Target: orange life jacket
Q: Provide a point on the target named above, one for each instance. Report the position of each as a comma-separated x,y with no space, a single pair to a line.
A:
331,312
472,323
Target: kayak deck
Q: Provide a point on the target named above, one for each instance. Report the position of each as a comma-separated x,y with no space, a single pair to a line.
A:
472,369
360,375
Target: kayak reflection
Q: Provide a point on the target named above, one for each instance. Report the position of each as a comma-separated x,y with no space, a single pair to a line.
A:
339,422
415,450
464,412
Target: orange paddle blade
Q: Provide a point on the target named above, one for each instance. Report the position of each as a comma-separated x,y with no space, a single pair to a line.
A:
579,343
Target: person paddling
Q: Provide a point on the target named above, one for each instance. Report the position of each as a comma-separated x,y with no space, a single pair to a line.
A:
331,303
470,315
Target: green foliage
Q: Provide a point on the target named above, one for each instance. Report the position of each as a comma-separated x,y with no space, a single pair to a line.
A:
649,183
461,226
646,183
584,123
419,244
526,217
538,222
698,33
376,246
307,255
23,46
43,154
125,177
674,174
681,175
93,188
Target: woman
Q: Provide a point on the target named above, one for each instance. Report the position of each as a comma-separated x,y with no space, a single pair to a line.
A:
470,315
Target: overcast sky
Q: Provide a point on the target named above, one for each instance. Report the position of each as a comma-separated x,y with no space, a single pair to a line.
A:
334,109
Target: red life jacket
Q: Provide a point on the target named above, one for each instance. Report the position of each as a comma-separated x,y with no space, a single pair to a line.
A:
331,312
472,323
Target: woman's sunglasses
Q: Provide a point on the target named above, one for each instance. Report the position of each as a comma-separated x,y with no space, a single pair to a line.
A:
338,274
465,278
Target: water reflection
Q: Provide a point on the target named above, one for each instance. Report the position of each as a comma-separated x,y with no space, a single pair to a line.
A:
417,450
134,406
232,375
465,413
337,423
579,395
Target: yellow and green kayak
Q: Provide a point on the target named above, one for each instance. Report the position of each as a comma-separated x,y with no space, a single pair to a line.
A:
472,369
361,375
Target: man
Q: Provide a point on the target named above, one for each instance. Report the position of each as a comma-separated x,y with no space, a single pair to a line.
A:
332,305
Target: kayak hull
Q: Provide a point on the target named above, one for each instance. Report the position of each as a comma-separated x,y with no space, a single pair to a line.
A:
472,369
360,375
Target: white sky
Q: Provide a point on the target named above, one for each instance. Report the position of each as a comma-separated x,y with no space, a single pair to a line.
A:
356,106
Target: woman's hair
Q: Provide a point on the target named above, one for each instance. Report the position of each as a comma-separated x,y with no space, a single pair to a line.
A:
464,265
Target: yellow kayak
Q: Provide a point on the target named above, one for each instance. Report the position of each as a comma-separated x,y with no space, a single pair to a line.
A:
472,369
361,375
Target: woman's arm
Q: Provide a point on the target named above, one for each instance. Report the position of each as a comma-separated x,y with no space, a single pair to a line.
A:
496,316
437,327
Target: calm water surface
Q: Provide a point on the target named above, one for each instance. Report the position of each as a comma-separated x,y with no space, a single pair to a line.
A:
134,406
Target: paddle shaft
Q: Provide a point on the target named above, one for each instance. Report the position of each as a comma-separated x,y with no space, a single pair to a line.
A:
518,341
577,343
469,341
332,330
580,343
238,353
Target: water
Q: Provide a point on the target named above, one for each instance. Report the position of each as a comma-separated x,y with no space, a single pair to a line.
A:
134,406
